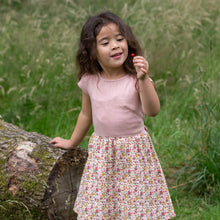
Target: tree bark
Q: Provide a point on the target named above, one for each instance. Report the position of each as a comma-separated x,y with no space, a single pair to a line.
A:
38,175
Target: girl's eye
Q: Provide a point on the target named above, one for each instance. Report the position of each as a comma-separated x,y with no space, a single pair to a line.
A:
105,43
120,39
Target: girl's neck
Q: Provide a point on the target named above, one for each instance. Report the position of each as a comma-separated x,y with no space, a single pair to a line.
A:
113,74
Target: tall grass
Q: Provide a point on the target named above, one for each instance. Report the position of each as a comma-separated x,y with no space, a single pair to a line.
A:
38,77
202,169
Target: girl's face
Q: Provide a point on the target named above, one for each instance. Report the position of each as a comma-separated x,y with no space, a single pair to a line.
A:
112,48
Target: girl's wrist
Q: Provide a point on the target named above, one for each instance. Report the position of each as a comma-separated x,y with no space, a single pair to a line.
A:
143,76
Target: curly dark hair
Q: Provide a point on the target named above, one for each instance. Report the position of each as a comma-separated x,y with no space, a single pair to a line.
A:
86,55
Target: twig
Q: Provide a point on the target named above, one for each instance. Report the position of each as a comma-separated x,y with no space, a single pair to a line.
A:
183,184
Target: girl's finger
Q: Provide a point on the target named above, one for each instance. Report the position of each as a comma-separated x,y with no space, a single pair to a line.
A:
53,142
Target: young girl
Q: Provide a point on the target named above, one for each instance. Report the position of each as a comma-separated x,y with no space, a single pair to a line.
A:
122,178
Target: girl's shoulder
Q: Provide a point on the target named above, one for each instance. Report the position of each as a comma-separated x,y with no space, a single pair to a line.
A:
86,82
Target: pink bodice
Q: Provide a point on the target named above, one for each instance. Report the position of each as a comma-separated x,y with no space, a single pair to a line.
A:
116,105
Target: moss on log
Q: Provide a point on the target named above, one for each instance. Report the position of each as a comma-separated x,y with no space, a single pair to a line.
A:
37,177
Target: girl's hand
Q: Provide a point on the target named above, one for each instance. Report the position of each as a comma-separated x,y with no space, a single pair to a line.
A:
62,143
141,65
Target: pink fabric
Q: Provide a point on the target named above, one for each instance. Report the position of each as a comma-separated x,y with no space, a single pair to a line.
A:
116,106
123,179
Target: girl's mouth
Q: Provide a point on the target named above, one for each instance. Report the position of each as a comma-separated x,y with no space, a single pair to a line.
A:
116,55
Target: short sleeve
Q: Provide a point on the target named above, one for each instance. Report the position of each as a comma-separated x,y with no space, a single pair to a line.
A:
83,84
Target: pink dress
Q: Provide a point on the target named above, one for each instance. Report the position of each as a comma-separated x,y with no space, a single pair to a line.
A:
122,178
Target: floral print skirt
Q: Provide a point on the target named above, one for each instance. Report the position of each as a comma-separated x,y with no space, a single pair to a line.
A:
123,179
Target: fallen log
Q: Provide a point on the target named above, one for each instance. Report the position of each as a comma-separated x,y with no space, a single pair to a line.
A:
34,173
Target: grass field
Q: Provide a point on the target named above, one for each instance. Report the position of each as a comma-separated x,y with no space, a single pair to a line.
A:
38,77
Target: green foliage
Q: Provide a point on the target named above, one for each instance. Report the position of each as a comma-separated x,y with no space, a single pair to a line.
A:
202,170
14,205
13,209
38,78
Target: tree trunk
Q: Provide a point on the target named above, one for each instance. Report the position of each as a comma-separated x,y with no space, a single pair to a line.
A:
42,178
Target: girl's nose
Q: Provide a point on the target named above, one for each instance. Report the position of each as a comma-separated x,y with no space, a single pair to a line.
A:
115,45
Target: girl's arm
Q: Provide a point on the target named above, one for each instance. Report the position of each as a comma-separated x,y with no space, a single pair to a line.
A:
148,94
83,124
